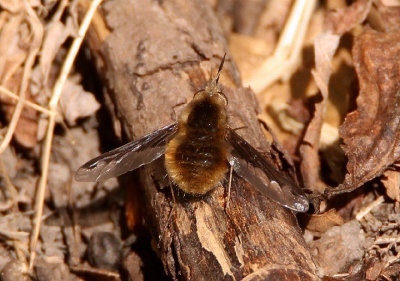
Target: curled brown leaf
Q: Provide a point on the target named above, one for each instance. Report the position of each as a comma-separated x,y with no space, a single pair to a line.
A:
322,222
325,45
371,134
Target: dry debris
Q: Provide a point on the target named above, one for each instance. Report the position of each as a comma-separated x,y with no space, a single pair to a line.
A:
327,77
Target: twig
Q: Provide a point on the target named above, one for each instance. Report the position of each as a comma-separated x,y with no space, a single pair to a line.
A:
387,240
13,235
369,207
288,48
52,118
26,102
341,275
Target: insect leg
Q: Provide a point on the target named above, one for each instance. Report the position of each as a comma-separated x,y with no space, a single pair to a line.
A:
229,188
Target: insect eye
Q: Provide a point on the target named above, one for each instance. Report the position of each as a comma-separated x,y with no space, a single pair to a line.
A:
198,92
225,98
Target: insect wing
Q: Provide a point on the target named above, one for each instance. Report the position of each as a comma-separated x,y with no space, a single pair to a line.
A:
275,185
127,157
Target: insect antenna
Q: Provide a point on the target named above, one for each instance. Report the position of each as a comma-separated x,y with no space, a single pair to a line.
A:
220,68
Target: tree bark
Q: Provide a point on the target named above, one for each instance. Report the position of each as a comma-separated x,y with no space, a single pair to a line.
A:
153,56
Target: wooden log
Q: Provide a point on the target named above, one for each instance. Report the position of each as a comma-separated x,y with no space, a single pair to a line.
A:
153,56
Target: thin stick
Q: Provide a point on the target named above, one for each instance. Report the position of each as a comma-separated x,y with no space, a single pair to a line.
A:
26,102
50,129
285,42
369,207
13,235
387,240
288,47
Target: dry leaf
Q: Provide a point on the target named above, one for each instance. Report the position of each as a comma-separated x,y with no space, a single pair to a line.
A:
12,55
374,270
25,132
325,46
75,102
371,133
339,246
13,52
391,182
56,34
322,222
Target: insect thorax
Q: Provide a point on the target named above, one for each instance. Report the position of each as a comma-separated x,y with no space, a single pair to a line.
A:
196,158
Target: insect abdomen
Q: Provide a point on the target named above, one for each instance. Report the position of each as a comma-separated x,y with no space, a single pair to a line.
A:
196,165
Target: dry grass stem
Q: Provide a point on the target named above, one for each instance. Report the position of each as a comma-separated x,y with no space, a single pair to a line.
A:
364,211
387,240
28,103
52,121
13,235
287,51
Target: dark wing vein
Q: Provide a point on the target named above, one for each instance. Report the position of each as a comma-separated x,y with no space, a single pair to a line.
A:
127,157
275,186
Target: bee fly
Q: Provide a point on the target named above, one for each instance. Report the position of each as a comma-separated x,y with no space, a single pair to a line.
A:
198,150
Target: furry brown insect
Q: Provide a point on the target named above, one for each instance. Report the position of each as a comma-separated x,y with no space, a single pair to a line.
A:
198,150
196,158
